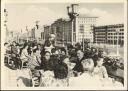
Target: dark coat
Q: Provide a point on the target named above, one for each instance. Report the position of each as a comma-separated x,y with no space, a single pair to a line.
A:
14,50
61,71
48,43
45,65
78,67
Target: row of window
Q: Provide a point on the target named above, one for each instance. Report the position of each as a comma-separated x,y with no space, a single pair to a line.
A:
115,26
86,25
100,33
121,29
80,39
100,37
112,30
86,35
115,33
114,41
109,37
121,33
103,29
116,37
115,30
87,19
100,40
100,29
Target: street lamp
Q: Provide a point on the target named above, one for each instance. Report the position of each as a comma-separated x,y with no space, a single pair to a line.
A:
117,50
27,33
96,39
72,15
83,39
114,39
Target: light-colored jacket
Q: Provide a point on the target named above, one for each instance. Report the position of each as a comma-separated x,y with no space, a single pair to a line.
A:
24,55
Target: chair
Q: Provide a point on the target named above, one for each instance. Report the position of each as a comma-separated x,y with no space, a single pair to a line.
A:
34,79
23,63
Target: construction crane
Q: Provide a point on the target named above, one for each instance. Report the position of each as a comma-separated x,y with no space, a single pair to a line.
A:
71,11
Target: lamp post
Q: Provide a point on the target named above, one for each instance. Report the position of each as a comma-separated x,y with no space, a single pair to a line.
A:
117,48
72,15
113,40
83,39
96,40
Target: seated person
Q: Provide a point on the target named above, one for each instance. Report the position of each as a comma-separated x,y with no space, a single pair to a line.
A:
46,62
100,73
63,51
49,44
78,67
60,75
86,78
48,48
24,54
47,79
14,55
70,66
40,67
57,77
35,61
100,70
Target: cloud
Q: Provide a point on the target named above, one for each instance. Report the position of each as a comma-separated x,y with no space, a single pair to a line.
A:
83,11
105,18
20,17
28,16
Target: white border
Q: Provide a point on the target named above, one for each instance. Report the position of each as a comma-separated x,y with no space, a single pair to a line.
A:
66,1
63,1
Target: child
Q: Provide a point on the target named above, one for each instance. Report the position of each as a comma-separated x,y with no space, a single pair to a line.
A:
100,70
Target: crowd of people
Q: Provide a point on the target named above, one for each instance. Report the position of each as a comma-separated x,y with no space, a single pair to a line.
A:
58,66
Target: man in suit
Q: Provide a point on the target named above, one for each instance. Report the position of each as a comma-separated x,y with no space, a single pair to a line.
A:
78,67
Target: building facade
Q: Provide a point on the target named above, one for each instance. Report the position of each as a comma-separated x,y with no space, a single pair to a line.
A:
36,34
62,28
72,32
47,31
115,34
100,34
109,34
82,28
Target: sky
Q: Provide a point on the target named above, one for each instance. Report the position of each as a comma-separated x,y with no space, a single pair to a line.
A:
25,14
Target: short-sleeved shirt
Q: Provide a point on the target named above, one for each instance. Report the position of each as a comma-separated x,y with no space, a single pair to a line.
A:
100,71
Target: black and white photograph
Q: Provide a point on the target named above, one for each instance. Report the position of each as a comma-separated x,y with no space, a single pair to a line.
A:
63,44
